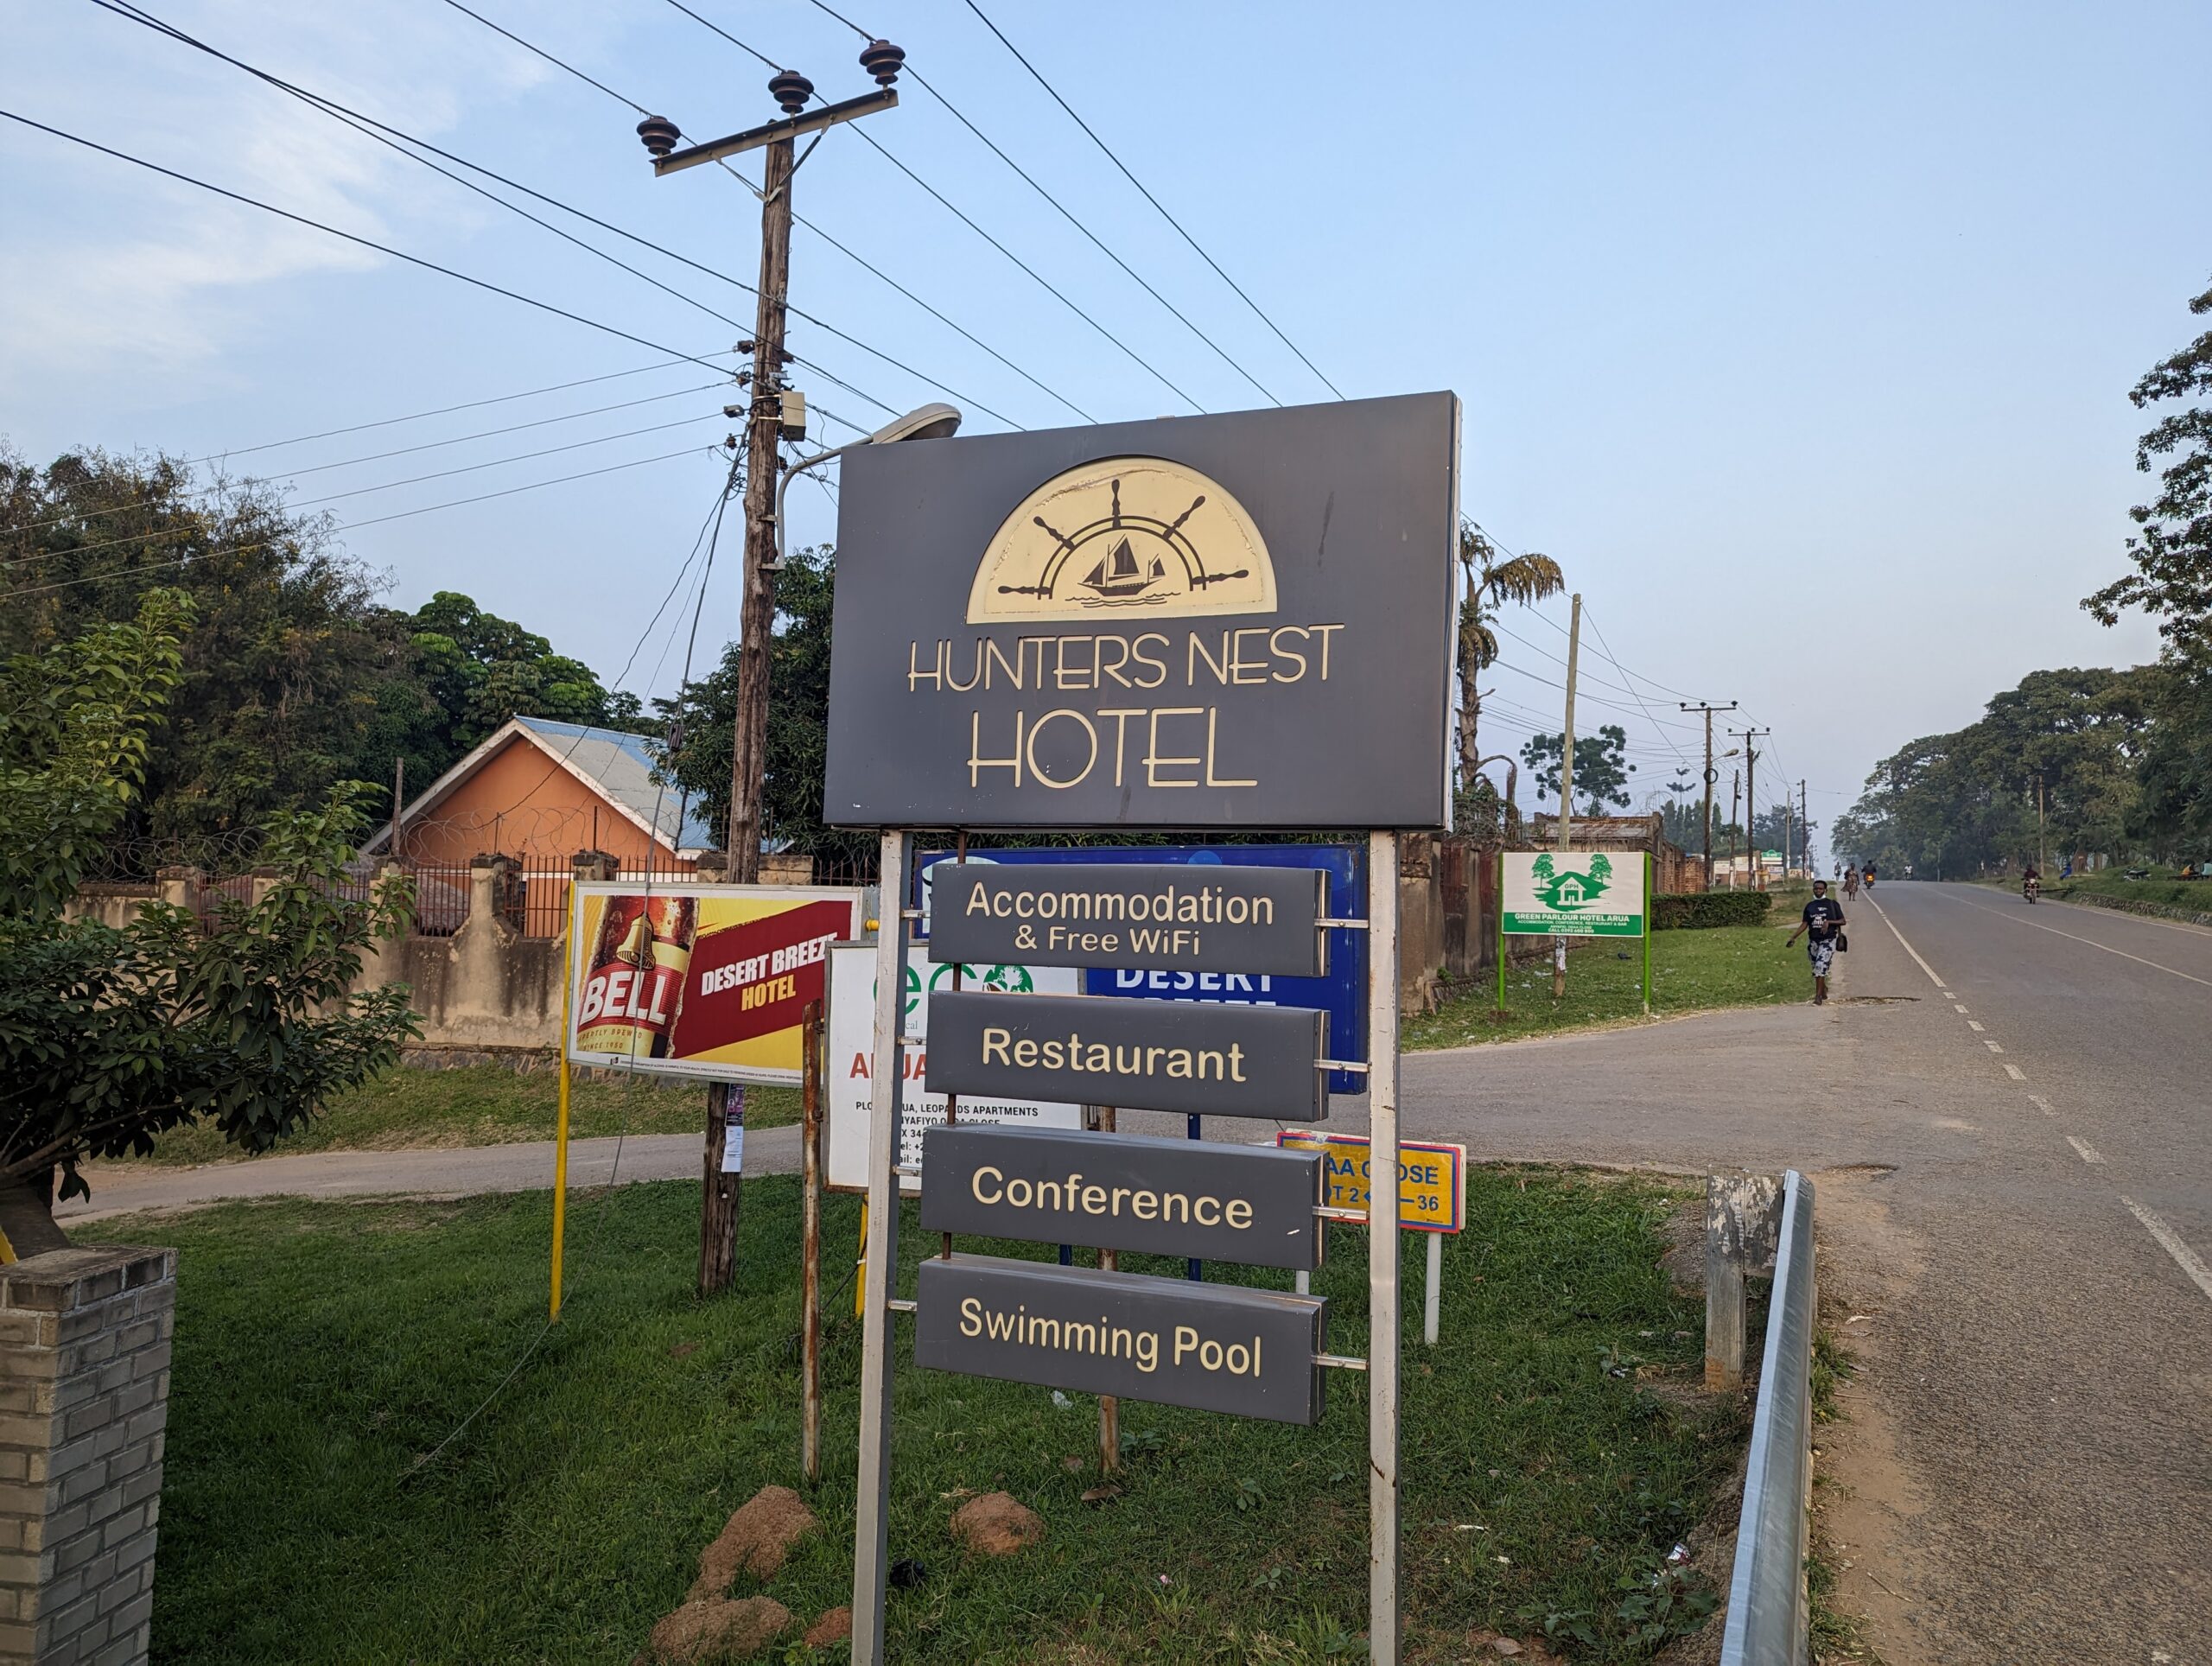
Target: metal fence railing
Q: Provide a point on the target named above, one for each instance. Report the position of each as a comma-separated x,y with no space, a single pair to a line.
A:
1769,1618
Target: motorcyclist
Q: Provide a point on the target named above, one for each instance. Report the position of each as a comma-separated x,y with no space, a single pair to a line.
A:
1868,876
2030,882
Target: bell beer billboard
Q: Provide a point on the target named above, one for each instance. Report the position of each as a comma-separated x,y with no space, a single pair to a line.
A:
699,980
1238,621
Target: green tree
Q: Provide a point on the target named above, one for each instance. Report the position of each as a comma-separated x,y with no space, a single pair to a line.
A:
1601,766
480,671
2172,581
1491,579
2173,552
109,1038
290,679
702,723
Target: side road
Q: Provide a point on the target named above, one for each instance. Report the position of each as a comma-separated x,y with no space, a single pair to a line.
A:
446,1172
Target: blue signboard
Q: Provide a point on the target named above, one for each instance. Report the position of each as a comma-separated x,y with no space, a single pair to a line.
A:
1342,994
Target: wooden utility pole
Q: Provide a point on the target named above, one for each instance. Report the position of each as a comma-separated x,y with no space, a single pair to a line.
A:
399,807
773,413
1567,784
1805,828
756,612
1708,708
1752,798
1735,782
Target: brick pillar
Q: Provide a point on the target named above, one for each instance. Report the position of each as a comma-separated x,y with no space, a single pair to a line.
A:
84,1400
179,888
588,866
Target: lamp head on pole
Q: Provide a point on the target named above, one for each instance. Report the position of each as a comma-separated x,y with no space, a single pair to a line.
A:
933,421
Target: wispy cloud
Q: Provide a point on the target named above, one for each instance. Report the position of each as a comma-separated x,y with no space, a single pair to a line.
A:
112,272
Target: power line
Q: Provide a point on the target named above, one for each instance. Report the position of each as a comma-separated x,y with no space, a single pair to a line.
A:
378,457
967,399
353,238
448,411
961,117
874,144
1606,648
334,497
370,126
349,526
1179,229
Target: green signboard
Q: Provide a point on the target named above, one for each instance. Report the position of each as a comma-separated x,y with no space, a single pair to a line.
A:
1574,893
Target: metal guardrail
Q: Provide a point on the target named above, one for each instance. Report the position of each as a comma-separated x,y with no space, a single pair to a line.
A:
1768,1612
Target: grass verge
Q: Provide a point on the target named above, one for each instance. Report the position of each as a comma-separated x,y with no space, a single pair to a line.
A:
486,1104
1555,1447
1691,971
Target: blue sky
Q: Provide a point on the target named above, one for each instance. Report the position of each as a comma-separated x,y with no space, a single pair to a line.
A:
1800,335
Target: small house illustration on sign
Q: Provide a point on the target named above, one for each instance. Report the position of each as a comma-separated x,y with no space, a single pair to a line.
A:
1570,891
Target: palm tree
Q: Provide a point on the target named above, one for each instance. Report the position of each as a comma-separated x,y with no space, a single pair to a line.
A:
1493,578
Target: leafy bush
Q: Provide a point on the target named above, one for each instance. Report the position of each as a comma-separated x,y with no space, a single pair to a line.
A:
1699,911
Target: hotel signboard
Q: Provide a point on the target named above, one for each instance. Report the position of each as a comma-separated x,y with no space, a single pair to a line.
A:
1217,1347
1144,1055
1248,1204
1072,629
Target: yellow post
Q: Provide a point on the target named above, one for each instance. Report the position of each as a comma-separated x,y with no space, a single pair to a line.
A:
859,1267
561,1133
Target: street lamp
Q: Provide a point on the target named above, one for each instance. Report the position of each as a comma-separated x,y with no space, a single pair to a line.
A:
932,421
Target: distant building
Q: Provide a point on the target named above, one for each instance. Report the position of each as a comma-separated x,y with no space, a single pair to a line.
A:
539,792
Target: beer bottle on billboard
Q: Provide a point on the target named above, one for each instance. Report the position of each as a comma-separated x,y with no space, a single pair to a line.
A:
633,985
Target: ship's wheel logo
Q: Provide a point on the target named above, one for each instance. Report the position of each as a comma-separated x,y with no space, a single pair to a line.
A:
1128,533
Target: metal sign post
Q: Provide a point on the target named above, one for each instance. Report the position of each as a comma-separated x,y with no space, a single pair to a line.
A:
1383,1617
872,1546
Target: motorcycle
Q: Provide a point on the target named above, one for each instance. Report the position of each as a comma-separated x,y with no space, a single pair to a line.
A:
2032,888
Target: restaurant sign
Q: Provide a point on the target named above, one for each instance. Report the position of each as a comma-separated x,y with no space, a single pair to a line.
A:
1143,1055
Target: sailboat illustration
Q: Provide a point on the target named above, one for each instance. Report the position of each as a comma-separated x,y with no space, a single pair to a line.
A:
1117,577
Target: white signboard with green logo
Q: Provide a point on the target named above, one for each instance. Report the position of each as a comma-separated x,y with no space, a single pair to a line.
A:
847,1091
1574,893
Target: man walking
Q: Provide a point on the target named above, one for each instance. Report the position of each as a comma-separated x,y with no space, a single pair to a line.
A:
1823,918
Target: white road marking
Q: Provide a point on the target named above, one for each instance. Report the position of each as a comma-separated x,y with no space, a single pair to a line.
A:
1909,949
1991,1045
1958,1007
2084,1150
2141,919
1948,995
2055,932
2042,1105
1971,1024
2169,1240
2016,1072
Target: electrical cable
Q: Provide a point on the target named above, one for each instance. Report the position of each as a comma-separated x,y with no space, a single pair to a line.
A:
968,400
961,117
1606,648
870,139
446,410
348,526
353,238
415,479
378,457
372,128
1179,229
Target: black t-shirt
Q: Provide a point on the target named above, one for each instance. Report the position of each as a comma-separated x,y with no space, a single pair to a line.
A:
1824,915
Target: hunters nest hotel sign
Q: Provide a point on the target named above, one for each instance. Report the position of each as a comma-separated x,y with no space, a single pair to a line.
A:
1208,620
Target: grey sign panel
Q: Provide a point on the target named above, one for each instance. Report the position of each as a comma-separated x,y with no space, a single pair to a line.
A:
1214,1346
1199,1058
1250,1203
1242,621
1187,918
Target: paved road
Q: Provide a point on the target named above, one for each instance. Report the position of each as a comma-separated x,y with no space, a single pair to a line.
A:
2006,1117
